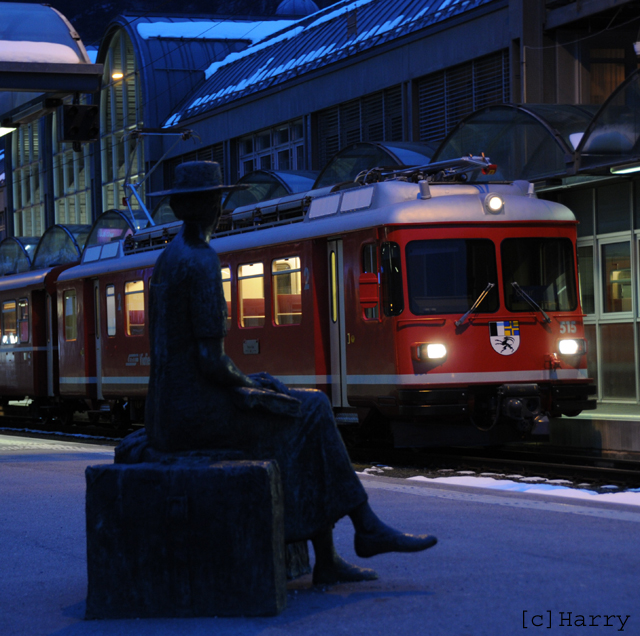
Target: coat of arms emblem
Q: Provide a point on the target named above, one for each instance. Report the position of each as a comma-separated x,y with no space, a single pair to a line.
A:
505,336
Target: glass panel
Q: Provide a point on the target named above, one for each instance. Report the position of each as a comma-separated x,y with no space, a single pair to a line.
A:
447,276
391,279
287,288
251,295
616,282
370,265
9,323
613,208
134,308
618,361
226,288
23,320
70,315
544,269
585,275
580,202
592,351
111,310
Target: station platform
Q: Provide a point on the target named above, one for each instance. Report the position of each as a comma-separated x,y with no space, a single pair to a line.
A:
505,561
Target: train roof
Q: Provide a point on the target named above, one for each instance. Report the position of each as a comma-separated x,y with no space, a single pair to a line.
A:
323,213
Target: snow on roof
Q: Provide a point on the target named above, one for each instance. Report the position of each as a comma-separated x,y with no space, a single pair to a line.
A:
12,51
213,29
315,41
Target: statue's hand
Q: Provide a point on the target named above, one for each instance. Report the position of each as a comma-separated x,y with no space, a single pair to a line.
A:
268,382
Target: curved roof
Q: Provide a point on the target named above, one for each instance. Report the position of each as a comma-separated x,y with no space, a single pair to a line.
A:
16,254
297,7
268,184
313,42
172,53
349,162
109,226
60,244
532,142
613,136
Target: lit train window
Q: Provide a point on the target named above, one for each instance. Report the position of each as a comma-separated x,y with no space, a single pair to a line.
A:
23,319
134,307
334,287
226,288
9,322
70,315
370,266
287,286
251,303
111,310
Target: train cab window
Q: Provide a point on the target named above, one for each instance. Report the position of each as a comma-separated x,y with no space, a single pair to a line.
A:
134,307
226,288
287,287
23,320
9,322
448,276
70,315
251,305
544,270
111,310
370,266
391,279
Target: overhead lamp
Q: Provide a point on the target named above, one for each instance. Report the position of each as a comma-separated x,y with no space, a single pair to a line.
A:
626,168
117,75
7,126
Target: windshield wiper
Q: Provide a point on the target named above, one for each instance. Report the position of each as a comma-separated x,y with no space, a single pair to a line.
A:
475,305
530,300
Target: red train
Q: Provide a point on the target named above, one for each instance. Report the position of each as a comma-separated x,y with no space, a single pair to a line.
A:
438,312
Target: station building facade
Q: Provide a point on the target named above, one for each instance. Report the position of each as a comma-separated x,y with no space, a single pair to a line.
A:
287,92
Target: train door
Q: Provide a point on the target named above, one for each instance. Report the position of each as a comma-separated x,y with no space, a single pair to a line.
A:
337,333
50,350
98,337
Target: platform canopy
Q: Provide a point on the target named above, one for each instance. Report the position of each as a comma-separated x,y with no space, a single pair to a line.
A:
16,254
42,60
60,244
533,141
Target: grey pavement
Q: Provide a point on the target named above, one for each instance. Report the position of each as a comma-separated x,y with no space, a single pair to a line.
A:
505,562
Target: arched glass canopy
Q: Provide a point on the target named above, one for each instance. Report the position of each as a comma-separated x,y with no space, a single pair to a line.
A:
16,254
60,244
347,164
530,142
613,137
111,225
265,185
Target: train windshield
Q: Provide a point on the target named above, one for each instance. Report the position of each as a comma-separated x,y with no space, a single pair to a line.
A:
544,270
447,276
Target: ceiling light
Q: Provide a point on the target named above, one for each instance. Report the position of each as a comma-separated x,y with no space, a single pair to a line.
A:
626,168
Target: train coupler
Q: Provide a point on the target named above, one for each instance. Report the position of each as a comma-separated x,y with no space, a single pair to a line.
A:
521,405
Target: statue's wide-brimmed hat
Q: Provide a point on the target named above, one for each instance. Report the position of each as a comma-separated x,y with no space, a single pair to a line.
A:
197,176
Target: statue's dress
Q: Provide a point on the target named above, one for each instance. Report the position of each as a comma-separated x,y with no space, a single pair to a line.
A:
186,410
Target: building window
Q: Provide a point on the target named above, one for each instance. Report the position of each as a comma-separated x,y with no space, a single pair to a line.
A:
28,196
111,310
70,315
279,148
287,288
134,307
120,113
251,294
445,97
376,117
71,181
607,72
616,270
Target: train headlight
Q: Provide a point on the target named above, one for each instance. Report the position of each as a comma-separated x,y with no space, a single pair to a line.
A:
493,203
429,351
572,347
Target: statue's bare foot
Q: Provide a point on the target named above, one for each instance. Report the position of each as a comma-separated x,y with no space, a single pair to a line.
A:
339,571
386,539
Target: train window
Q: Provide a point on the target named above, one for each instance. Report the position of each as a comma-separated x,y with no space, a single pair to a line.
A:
251,303
391,279
111,310
134,307
544,270
287,285
447,276
70,315
370,266
9,322
23,320
226,288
